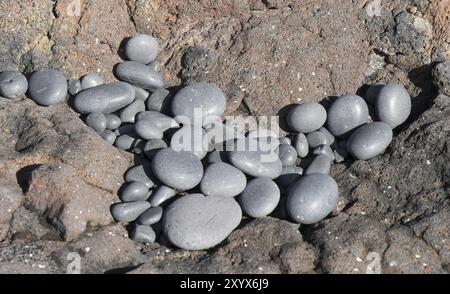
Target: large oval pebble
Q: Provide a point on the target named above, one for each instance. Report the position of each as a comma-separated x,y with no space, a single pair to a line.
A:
369,140
141,48
393,105
260,197
47,87
307,117
346,114
13,84
139,75
222,179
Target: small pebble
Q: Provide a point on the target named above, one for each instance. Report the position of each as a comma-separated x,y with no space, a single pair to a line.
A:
140,173
158,100
141,48
346,114
191,138
160,120
330,137
312,198
109,136
325,150
47,87
222,179
307,117
74,87
151,216
128,212
140,93
152,146
161,195
316,139
287,154
393,105
112,122
91,80
124,142
128,114
148,130
143,234
289,174
13,84
369,140
260,197
134,191
321,164
301,145
96,121
139,75
285,140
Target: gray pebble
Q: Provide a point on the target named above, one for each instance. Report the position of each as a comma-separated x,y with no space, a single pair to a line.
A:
287,154
191,138
148,130
285,140
112,121
312,198
155,65
128,212
91,80
307,117
179,170
162,121
13,84
222,179
369,140
301,145
158,100
140,173
152,146
256,163
151,216
208,97
74,87
217,156
321,164
161,195
47,87
134,191
346,114
97,121
140,93
109,136
330,138
325,150
316,139
196,222
141,48
139,75
124,142
260,197
393,105
143,234
128,114
289,174
104,98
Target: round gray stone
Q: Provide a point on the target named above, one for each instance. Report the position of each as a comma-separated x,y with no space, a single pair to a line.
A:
312,198
152,146
140,173
161,195
143,234
393,105
222,179
13,84
104,98
204,96
346,114
196,222
179,170
128,212
289,174
321,164
369,140
285,140
260,197
141,48
96,121
151,216
287,154
148,130
316,139
91,80
109,136
74,87
112,121
139,75
191,138
124,142
158,100
301,145
307,117
128,114
134,191
325,150
47,87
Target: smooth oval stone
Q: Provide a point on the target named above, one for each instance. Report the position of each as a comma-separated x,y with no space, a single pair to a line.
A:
152,146
140,93
316,139
158,100
217,156
47,87
162,121
196,222
287,154
289,174
369,140
325,150
91,80
134,191
321,164
161,195
124,142
307,117
346,114
312,198
104,98
330,138
128,212
151,216
139,75
141,48
260,197
97,121
285,140
301,145
13,84
253,163
179,170
393,105
109,136
112,121
190,138
148,130
208,98
74,87
140,173
222,179
143,234
128,114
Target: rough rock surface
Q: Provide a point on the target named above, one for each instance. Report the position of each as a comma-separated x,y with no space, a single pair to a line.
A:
393,210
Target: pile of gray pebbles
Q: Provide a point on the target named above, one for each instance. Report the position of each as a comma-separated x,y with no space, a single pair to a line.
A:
193,199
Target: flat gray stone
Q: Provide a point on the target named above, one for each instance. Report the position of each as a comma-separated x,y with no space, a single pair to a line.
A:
74,87
207,98
96,121
112,122
287,154
196,222
128,114
13,84
47,87
260,197
109,136
330,137
139,75
134,191
142,48
104,98
301,145
321,164
158,100
307,117
151,216
161,195
222,179
162,121
316,139
128,212
325,150
191,138
140,93
148,130
140,173
143,234
152,146
393,105
91,80
124,142
369,140
312,198
289,174
178,170
346,114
